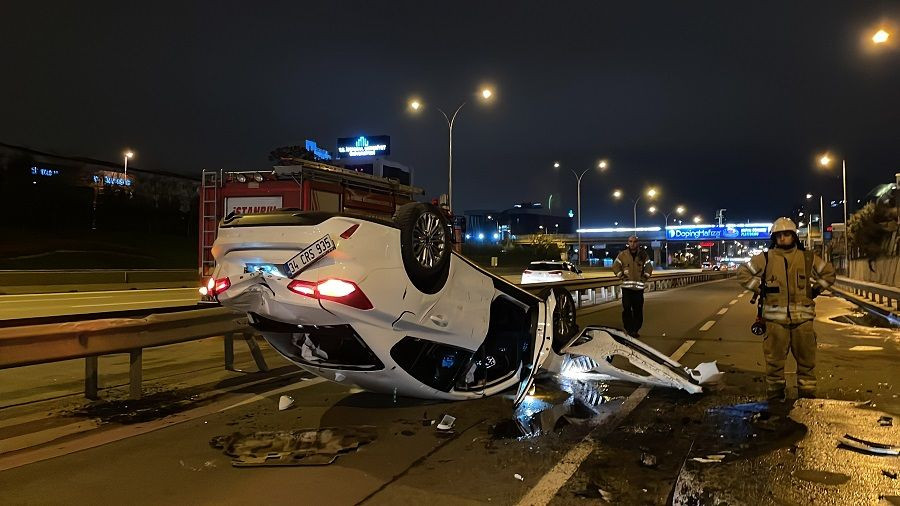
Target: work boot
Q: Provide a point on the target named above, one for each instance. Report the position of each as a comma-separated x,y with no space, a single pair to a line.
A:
775,395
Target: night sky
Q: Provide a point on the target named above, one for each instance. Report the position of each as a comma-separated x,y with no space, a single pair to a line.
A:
720,104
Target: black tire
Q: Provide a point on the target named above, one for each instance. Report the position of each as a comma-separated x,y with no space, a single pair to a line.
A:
424,245
564,327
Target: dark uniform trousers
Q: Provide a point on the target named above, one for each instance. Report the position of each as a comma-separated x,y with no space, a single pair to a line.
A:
632,310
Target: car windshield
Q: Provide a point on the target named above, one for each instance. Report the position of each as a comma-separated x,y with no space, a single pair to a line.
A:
545,266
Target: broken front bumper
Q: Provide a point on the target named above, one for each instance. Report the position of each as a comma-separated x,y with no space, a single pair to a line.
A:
593,352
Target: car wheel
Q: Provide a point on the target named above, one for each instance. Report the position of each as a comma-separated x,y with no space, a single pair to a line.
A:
564,326
424,245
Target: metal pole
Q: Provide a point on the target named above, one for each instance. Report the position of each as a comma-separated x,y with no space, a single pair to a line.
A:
450,121
822,222
579,222
126,167
846,225
635,214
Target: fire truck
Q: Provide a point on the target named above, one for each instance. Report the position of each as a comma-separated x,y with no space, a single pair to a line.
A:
307,186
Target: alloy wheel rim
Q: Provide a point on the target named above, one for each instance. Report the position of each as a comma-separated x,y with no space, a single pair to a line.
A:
428,240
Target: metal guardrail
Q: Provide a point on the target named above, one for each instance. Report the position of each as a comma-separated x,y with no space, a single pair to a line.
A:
592,291
889,296
50,281
38,344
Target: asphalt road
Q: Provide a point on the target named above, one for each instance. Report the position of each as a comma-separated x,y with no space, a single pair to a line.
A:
585,439
15,307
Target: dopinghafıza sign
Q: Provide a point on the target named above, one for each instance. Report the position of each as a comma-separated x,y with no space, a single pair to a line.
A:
251,205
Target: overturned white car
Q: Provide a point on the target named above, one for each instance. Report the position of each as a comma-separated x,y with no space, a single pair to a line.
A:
387,306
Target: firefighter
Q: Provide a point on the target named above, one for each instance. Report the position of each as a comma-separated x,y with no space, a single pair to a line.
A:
787,278
633,267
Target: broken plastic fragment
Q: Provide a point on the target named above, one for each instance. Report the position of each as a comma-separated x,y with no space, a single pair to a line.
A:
706,373
285,402
868,446
886,421
446,422
519,477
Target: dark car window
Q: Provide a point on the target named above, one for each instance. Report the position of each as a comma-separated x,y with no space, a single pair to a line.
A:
546,266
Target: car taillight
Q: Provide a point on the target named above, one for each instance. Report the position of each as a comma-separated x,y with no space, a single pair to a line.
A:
335,290
219,286
347,233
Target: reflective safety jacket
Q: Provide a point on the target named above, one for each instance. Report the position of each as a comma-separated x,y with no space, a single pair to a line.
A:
790,280
633,270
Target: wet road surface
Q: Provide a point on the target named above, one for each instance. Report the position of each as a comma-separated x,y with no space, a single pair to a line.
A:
572,442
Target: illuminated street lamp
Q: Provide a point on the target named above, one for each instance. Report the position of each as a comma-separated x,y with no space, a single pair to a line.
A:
880,37
697,219
601,166
825,162
678,210
415,105
128,154
650,194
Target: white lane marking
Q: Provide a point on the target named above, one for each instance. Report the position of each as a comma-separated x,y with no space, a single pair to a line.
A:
866,348
733,302
101,438
722,311
741,294
545,489
708,325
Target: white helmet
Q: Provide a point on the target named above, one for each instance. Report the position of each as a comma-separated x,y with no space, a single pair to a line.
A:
784,225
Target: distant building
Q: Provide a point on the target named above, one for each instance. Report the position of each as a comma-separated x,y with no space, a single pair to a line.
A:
48,191
369,155
521,219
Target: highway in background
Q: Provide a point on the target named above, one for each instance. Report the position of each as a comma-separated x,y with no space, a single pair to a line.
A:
42,305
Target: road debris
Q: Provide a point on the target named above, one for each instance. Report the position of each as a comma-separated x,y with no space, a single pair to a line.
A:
302,447
886,421
519,477
285,402
710,459
446,422
890,474
868,446
648,460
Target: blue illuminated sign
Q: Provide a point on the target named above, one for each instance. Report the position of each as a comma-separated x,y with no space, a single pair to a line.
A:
364,146
755,231
112,181
314,148
44,172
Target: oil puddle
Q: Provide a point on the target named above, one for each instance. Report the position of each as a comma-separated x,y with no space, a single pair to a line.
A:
556,405
869,319
823,477
745,431
150,407
302,447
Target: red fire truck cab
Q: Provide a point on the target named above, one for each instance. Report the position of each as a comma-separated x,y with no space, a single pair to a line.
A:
309,186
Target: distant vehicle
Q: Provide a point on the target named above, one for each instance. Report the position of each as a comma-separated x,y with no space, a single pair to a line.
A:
548,271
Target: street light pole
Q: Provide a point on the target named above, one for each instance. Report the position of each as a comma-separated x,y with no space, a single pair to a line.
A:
822,222
128,154
846,225
635,211
450,121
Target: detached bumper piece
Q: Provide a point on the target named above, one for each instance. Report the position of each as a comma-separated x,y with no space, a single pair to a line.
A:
593,352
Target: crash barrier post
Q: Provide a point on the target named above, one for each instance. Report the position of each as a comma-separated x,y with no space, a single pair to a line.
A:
255,351
611,288
886,295
39,344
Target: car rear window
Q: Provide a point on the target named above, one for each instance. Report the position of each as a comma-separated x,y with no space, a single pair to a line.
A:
545,266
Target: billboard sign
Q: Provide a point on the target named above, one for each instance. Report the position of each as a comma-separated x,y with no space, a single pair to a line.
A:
364,146
248,205
750,231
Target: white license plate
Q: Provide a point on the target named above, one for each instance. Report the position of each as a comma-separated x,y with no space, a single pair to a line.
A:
309,256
